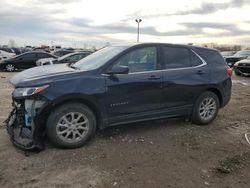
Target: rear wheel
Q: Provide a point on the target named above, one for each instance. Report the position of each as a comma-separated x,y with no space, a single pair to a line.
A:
71,125
206,108
10,67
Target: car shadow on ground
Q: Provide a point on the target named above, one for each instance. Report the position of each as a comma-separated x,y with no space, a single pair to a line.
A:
142,127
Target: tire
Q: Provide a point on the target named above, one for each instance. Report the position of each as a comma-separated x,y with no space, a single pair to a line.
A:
206,104
61,128
10,67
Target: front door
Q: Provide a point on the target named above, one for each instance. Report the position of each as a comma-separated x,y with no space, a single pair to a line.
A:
139,91
25,61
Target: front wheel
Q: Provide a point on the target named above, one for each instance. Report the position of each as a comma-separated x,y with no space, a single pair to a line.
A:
71,125
205,108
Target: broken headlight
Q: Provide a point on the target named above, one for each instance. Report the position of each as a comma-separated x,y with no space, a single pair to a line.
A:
28,91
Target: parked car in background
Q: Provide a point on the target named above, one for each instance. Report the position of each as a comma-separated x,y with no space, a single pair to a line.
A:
56,54
9,50
42,49
242,67
69,58
17,51
231,60
62,52
6,55
227,53
55,48
43,61
116,85
23,61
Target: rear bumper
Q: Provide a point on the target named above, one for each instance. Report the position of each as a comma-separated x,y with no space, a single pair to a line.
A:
225,100
226,92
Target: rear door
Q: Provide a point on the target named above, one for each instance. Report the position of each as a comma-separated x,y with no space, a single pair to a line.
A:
185,75
139,91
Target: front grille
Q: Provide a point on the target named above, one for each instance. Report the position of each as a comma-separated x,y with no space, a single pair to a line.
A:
244,64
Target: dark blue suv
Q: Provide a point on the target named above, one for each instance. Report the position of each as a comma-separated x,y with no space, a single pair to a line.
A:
116,85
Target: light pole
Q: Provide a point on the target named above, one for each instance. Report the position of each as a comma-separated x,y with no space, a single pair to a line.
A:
138,28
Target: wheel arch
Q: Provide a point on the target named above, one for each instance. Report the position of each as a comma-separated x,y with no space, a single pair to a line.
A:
43,113
218,93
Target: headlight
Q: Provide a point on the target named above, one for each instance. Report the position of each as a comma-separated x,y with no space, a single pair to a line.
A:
24,92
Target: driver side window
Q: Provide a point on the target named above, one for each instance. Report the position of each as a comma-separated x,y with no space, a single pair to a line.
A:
140,60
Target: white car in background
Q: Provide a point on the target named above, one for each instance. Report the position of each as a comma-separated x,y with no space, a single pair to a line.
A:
43,61
6,55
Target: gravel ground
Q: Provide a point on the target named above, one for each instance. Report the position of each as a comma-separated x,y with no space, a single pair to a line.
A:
165,153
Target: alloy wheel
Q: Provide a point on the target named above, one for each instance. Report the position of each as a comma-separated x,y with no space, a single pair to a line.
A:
72,127
207,108
10,68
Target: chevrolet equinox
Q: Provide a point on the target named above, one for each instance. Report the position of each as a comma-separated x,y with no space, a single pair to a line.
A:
116,85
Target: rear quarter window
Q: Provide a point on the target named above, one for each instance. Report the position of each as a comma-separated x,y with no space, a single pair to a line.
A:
211,56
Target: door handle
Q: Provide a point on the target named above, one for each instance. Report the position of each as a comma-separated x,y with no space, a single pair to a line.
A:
153,77
200,72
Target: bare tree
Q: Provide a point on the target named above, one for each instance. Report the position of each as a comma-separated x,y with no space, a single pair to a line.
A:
12,43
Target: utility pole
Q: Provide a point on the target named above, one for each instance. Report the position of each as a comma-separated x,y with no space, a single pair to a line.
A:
138,28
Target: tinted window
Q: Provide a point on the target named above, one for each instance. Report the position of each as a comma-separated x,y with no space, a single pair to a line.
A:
211,56
195,60
175,57
76,57
242,53
42,55
140,60
84,55
28,56
7,50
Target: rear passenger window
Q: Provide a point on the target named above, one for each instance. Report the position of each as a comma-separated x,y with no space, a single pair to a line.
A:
175,57
195,60
28,56
43,55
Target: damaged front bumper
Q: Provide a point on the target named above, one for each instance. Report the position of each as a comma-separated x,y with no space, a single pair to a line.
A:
22,125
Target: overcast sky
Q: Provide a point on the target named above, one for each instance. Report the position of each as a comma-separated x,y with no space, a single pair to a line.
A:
96,22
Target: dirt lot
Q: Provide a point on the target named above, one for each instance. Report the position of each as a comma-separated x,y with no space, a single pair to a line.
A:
166,153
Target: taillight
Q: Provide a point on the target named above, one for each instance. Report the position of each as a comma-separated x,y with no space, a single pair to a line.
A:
229,71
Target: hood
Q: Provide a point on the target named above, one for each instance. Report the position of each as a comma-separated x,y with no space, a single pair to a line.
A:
41,75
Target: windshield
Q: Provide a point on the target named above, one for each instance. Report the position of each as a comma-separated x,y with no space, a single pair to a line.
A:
63,57
242,53
98,58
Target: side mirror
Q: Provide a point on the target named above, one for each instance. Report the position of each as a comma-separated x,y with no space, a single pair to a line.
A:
118,69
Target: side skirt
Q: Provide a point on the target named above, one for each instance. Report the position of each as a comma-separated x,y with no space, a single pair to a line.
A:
152,115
